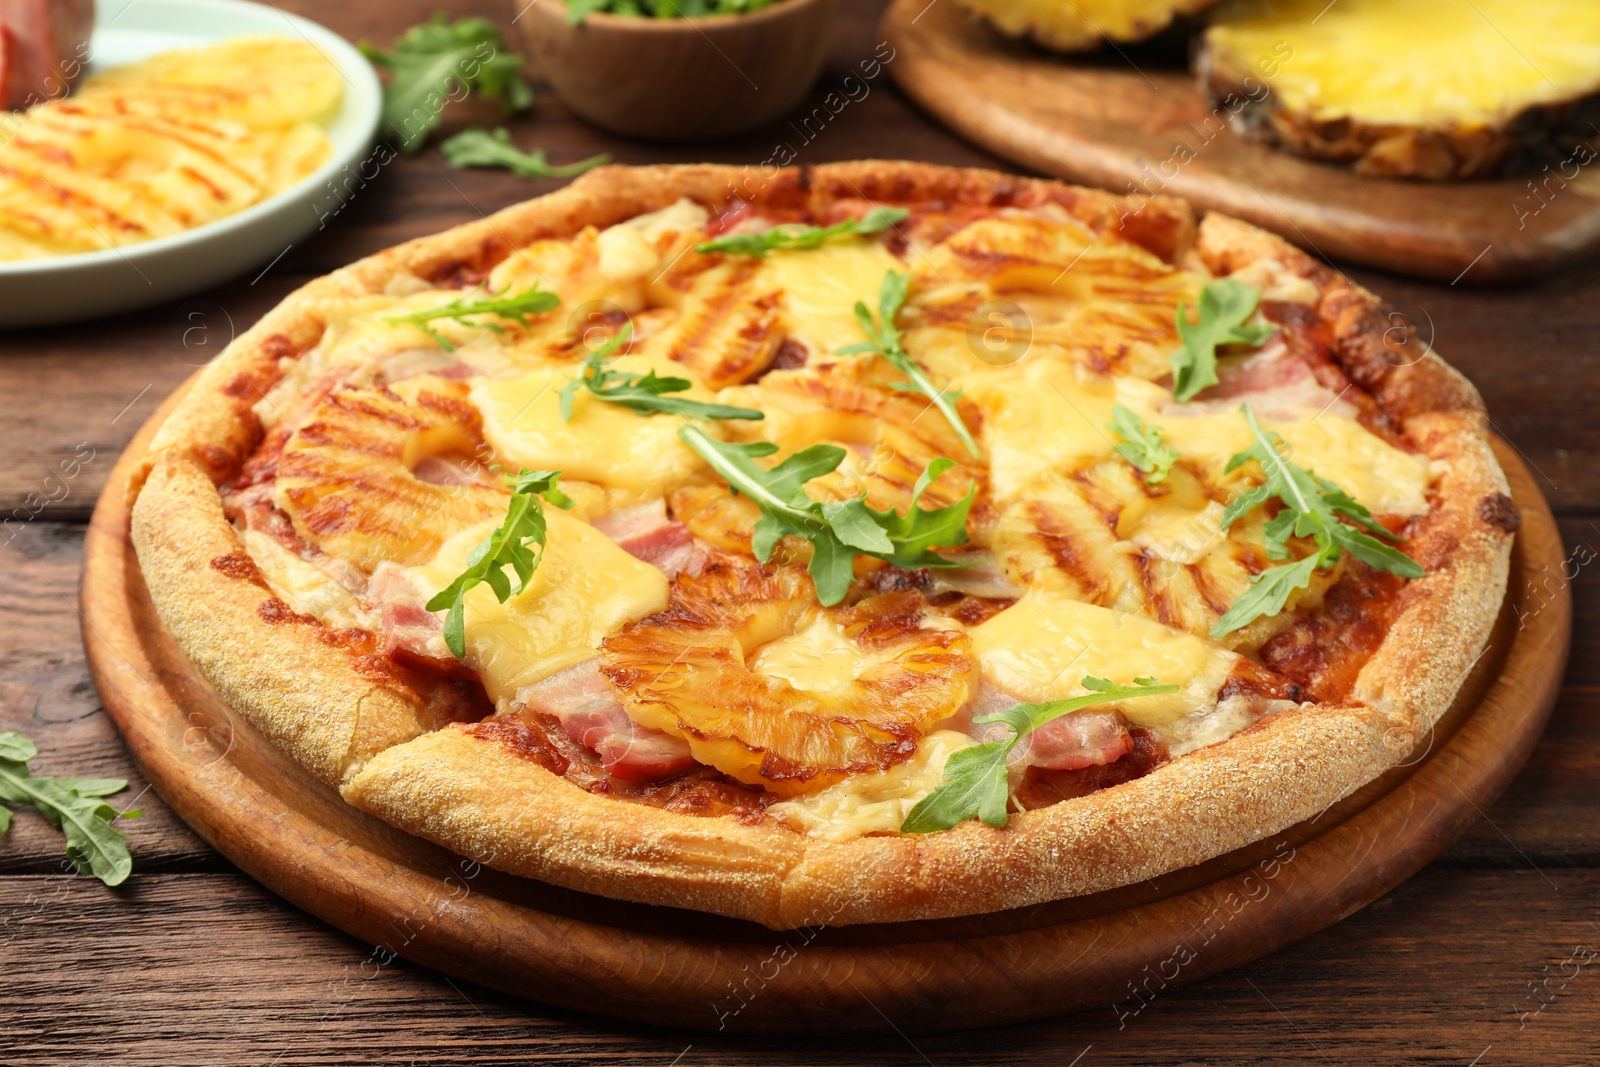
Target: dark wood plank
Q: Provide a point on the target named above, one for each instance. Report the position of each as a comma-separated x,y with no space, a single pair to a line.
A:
208,969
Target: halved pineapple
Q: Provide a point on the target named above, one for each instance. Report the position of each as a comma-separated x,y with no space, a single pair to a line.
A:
1080,25
345,476
1434,89
770,688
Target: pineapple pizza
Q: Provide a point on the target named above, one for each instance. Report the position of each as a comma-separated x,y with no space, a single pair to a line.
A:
876,540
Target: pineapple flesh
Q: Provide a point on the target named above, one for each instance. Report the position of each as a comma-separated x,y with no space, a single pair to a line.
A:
345,476
770,688
162,146
1081,25
1426,89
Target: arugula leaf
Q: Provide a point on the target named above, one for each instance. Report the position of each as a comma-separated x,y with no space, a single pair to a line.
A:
798,236
643,394
478,147
439,60
1312,507
1144,448
517,307
71,805
839,531
578,10
885,342
1224,306
975,783
524,525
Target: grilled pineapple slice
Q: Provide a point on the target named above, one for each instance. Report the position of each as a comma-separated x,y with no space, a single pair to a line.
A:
1105,537
1080,25
1431,89
165,145
345,476
770,688
1043,287
726,328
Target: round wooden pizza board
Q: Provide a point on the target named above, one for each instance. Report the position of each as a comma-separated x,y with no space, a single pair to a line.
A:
412,899
1131,119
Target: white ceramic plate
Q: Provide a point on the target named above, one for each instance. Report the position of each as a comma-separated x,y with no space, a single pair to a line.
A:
91,284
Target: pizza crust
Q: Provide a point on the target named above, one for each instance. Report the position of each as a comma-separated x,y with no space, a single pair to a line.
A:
376,742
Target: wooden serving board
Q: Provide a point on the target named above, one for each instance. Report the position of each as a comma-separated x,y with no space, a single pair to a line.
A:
1131,119
1113,951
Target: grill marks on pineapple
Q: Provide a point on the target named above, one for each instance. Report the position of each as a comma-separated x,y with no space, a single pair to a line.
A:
344,477
727,329
691,671
1109,539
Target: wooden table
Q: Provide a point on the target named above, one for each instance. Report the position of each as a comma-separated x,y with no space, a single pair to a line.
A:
1489,956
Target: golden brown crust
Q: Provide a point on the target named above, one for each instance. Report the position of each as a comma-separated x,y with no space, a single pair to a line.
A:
486,801
284,672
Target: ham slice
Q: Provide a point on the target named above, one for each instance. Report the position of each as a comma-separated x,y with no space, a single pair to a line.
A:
1090,738
645,532
1273,382
408,625
588,709
47,51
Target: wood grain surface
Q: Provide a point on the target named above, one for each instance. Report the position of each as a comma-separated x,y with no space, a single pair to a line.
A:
1132,120
1478,959
661,965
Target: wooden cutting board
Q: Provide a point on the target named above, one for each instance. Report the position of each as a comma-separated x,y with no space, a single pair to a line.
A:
1111,952
1130,119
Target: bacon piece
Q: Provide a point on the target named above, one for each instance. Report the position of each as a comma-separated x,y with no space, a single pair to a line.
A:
1041,786
1093,737
1274,381
588,709
50,41
407,624
442,470
645,532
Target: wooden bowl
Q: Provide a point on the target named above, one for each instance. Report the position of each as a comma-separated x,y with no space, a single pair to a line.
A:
681,79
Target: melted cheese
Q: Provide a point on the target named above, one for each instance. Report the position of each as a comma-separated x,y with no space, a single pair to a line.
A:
584,589
819,657
304,586
876,802
607,444
1040,415
1042,647
821,286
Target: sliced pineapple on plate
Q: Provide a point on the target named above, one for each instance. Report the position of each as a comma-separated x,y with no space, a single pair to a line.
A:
1081,25
1431,89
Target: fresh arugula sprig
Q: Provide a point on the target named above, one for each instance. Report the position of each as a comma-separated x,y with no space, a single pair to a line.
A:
478,147
798,236
643,394
1143,446
838,530
885,342
509,545
976,785
578,10
1312,507
1224,306
71,805
516,307
439,60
